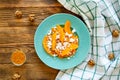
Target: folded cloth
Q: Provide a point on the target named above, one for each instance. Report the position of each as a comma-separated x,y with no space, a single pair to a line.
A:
103,60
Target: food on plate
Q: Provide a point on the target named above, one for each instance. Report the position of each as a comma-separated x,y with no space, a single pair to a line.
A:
18,57
61,41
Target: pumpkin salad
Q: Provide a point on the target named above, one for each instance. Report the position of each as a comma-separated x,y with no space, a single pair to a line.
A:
61,41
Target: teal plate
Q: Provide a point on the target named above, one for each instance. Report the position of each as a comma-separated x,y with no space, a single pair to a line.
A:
84,41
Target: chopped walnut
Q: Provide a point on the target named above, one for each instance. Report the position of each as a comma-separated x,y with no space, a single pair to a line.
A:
32,17
16,76
91,63
111,56
18,14
115,33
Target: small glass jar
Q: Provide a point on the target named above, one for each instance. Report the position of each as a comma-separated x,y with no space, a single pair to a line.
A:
18,57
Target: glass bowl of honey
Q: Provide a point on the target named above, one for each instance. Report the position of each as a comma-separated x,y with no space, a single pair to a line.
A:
18,57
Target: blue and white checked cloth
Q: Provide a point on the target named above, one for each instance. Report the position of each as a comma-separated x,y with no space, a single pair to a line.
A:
101,18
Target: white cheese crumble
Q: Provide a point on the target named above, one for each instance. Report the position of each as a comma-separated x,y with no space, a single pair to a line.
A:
49,33
68,58
69,35
54,55
65,44
72,40
65,39
58,36
59,46
73,31
49,44
66,34
49,38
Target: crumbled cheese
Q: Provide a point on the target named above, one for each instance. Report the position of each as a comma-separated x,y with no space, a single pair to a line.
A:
62,48
72,40
59,46
76,40
49,44
65,38
65,44
67,34
68,58
55,28
70,35
49,37
73,30
49,33
54,55
58,36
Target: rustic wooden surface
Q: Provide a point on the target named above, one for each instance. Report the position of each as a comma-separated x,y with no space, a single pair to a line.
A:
19,34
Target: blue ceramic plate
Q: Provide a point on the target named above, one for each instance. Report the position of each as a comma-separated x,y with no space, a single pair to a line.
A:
84,41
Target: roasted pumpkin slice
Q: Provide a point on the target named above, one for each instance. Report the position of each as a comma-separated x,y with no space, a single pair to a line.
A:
45,45
54,40
54,30
66,52
61,32
73,46
67,27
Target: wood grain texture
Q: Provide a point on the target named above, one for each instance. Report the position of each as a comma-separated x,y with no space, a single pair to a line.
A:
19,34
29,3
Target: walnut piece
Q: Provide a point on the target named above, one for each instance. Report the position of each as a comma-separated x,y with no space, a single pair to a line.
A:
91,63
18,14
115,33
31,17
111,56
16,76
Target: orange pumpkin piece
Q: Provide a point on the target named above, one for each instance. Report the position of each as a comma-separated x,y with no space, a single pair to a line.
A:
54,41
67,27
73,46
45,45
67,51
61,32
54,30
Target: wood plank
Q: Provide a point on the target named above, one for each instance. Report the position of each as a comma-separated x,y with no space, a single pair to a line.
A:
8,19
27,72
16,35
29,3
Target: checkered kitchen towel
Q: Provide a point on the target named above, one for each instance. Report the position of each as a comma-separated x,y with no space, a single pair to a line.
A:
102,17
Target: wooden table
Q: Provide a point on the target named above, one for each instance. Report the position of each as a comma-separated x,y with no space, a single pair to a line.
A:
19,34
